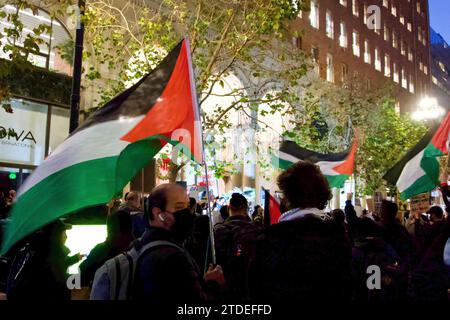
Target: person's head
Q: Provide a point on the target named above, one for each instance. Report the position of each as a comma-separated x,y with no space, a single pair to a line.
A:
365,212
436,213
12,194
132,198
304,186
389,211
258,210
224,214
338,215
192,205
167,207
118,223
368,228
238,205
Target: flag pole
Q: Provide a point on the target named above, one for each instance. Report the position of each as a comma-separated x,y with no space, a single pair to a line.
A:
197,111
208,210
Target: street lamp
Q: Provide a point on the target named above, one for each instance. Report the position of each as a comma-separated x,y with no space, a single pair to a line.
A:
429,109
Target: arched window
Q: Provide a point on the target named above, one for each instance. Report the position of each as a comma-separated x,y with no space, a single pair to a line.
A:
55,51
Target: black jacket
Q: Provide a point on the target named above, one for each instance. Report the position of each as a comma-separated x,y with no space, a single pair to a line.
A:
235,241
302,259
167,274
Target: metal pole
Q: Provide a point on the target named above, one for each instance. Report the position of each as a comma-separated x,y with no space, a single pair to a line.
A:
77,66
208,209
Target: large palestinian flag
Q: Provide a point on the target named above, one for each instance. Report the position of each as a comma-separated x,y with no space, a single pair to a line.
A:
97,160
336,167
418,170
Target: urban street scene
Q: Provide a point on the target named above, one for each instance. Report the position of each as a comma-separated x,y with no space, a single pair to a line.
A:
225,157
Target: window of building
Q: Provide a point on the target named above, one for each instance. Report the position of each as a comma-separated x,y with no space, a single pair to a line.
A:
402,20
377,59
297,42
329,25
397,107
441,66
419,33
403,47
343,35
409,26
49,55
367,52
424,38
355,8
386,3
343,2
314,14
330,73
435,80
418,7
344,72
425,69
420,65
404,80
315,58
356,48
365,13
386,33
393,9
410,54
394,39
411,84
396,75
387,66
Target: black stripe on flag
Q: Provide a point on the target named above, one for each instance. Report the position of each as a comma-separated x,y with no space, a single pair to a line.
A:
293,149
138,99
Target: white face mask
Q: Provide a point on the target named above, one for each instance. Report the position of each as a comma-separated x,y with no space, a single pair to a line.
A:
447,253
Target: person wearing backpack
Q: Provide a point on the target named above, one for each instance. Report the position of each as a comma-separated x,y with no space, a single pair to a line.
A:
120,236
235,241
39,269
305,256
158,269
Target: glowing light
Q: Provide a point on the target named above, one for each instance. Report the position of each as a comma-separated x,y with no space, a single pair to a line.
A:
429,108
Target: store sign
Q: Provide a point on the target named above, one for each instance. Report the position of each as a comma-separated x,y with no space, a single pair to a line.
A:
22,133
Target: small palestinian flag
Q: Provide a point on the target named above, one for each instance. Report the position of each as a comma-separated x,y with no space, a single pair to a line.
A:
336,167
272,211
418,171
97,160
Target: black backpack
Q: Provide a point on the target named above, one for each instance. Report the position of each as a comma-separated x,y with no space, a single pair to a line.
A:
236,251
20,271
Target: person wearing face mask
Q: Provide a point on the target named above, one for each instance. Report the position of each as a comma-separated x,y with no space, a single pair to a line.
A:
169,273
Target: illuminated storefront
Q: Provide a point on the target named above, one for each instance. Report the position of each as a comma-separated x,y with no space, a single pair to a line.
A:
40,103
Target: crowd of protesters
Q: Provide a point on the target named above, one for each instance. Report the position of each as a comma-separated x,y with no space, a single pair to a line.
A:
310,255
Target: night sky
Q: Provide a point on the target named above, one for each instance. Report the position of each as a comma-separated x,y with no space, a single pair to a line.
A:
440,17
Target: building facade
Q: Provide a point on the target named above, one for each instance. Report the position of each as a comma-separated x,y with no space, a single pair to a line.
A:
440,69
40,98
381,41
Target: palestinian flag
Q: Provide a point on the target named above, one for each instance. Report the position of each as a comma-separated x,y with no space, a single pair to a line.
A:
418,171
272,210
336,167
98,159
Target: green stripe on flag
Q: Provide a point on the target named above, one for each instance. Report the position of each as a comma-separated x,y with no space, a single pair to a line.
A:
76,187
337,181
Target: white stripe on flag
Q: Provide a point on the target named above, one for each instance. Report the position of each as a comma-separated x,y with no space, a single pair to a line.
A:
288,157
411,172
99,141
327,167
